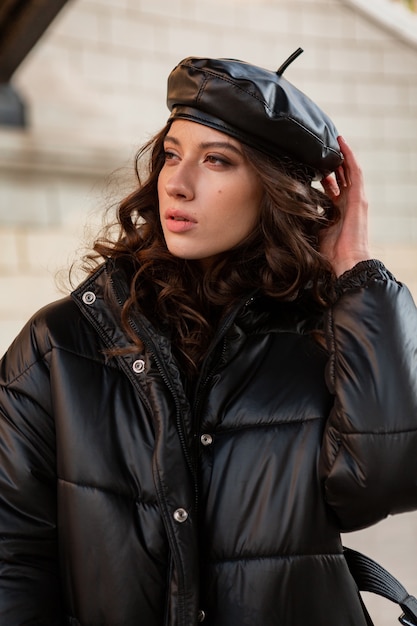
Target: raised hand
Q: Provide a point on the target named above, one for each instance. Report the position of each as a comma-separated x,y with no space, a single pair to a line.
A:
346,243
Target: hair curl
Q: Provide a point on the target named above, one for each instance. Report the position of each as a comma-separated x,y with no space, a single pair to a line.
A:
280,257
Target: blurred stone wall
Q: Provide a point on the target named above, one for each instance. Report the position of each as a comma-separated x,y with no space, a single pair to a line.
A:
95,90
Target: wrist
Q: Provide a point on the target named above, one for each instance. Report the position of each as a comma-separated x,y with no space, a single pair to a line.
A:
346,264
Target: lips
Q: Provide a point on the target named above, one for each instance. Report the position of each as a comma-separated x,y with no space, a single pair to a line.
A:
178,221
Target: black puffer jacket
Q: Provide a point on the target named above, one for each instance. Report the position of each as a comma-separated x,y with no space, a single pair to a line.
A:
123,503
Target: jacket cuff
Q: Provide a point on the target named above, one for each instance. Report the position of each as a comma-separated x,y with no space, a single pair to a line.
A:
361,275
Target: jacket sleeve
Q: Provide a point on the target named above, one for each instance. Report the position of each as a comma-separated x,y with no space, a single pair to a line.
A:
369,454
29,578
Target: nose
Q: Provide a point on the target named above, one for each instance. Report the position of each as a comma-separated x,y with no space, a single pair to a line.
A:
179,182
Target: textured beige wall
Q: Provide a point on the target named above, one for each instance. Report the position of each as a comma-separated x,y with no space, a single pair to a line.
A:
95,88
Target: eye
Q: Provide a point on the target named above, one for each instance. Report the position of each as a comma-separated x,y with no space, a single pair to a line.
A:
215,159
169,155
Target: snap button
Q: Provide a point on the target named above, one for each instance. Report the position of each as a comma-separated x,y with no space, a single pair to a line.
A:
180,515
89,297
138,366
201,616
206,439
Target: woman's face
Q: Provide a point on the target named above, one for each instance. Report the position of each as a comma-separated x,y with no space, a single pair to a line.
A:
209,195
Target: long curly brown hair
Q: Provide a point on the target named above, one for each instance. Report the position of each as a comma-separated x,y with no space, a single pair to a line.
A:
280,257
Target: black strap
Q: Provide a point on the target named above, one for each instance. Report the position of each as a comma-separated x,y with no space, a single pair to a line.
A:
370,576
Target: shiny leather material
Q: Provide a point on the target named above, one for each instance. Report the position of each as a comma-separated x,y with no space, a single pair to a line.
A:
256,106
97,455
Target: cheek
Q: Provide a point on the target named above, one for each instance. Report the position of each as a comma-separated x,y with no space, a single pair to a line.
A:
251,201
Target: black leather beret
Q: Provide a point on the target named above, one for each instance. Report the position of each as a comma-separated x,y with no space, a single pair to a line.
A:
258,107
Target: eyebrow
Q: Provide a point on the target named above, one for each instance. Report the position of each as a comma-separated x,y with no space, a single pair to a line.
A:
208,144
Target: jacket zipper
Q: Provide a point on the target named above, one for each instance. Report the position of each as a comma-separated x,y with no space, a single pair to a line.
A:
145,337
151,347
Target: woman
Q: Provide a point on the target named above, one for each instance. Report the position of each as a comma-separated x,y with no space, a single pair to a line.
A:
184,438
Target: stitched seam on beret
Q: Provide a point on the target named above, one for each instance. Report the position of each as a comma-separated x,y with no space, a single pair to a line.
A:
200,91
228,80
313,135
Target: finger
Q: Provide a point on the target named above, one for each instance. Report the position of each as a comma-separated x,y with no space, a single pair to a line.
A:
341,177
330,186
345,148
350,163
